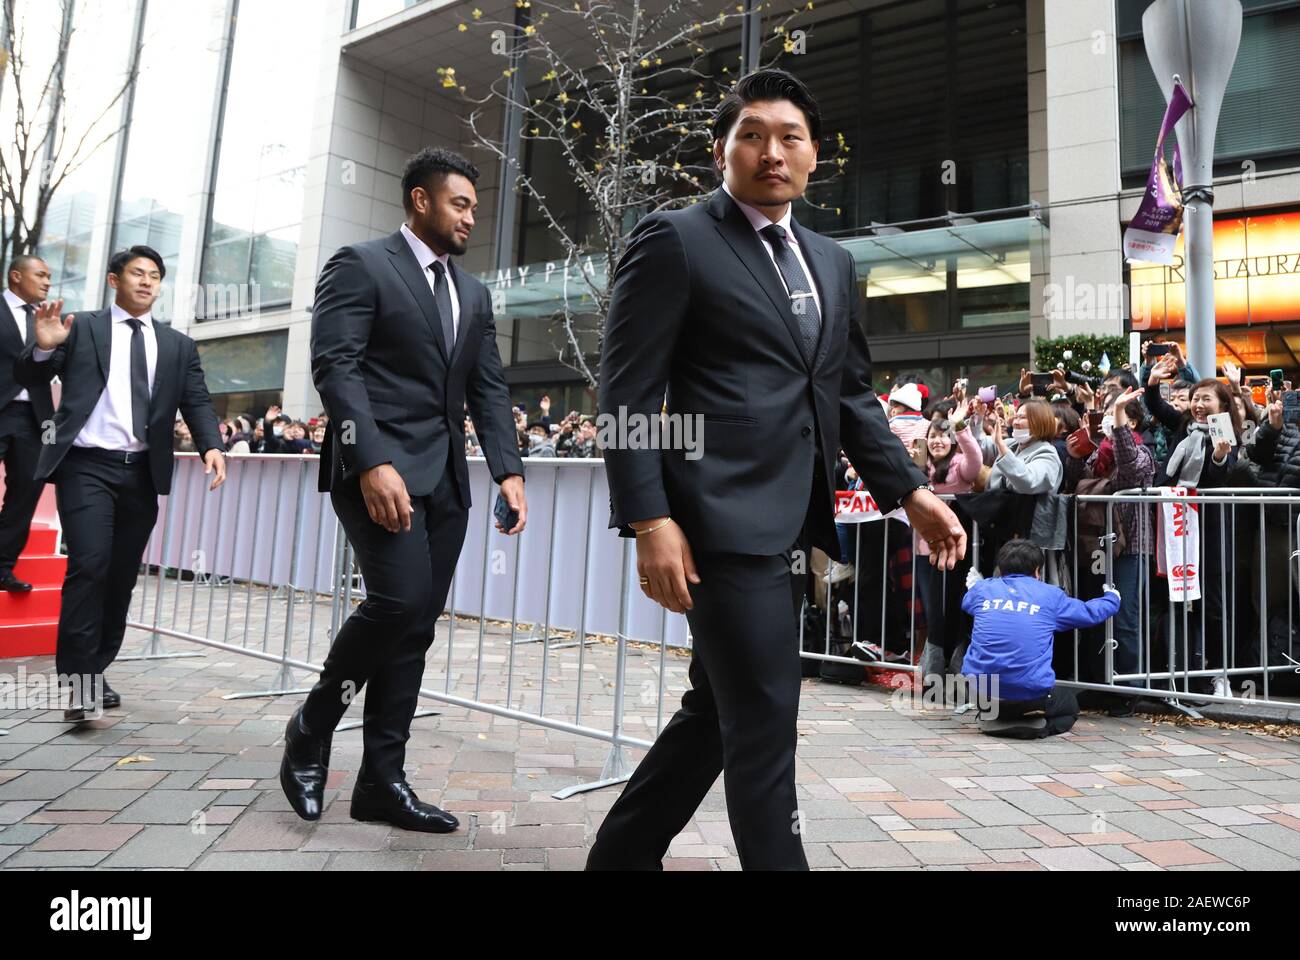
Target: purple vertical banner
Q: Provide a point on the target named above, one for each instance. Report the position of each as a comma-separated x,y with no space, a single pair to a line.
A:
1153,231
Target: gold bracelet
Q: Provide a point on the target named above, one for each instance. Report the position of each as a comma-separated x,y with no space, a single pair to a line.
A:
641,533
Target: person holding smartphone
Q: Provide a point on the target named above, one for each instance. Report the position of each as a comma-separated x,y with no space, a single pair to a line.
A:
1183,369
953,463
1275,449
1200,463
1248,411
1124,462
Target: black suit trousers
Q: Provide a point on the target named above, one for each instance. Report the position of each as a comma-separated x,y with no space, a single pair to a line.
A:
739,719
20,449
382,646
108,509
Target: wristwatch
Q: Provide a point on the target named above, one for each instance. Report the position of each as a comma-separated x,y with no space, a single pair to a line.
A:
919,486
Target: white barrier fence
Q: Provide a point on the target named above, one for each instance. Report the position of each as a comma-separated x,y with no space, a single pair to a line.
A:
268,526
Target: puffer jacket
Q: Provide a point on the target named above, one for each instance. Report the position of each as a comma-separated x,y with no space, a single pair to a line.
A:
1035,469
1277,454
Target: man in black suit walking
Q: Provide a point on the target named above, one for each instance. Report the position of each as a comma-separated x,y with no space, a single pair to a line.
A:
22,413
401,340
748,321
124,376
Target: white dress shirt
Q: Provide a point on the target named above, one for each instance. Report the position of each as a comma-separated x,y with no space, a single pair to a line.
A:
758,220
110,425
16,304
425,256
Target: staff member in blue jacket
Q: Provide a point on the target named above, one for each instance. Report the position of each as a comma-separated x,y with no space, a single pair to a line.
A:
1016,616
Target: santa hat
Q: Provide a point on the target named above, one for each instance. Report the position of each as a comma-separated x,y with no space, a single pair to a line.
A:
908,395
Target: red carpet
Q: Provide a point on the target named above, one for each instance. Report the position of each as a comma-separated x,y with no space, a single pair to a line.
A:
29,621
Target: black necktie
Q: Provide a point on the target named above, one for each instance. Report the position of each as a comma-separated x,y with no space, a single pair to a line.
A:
442,297
31,321
139,383
802,303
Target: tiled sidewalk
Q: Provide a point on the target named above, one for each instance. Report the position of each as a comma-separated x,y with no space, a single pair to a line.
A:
180,778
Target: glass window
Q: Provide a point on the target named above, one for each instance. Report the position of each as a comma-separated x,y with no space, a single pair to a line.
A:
968,275
261,167
366,12
1260,119
245,364
171,121
931,98
74,236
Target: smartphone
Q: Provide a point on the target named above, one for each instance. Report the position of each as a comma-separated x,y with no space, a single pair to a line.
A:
1221,428
1094,424
920,453
1084,441
962,384
1041,383
1158,350
1275,375
506,516
1290,406
988,394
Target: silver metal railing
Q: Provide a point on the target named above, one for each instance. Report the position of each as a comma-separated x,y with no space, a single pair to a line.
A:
1246,544
550,628
546,627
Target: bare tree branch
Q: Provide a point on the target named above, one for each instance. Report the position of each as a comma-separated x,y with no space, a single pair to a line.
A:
628,110
45,149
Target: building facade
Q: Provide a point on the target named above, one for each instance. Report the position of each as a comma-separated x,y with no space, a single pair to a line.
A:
997,149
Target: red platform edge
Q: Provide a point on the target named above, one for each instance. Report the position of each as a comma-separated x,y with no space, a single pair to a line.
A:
29,621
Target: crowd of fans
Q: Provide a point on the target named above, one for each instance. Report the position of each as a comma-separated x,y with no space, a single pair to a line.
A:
1011,462
1013,459
572,436
277,432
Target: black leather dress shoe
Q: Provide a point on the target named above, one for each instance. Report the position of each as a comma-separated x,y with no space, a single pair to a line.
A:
304,768
396,803
11,583
80,708
111,698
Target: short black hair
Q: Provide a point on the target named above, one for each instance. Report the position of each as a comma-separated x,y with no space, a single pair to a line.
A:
1180,385
1020,557
1127,379
1066,416
117,263
21,261
942,409
430,163
771,84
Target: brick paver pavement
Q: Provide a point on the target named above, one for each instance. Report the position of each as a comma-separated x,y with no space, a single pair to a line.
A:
182,778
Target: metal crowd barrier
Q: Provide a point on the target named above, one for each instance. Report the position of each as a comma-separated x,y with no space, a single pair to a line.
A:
1249,546
1240,531
264,564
